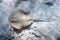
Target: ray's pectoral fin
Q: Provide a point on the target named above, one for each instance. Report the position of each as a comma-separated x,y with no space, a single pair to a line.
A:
23,28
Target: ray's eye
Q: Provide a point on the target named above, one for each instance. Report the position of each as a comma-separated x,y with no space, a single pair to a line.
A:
14,21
